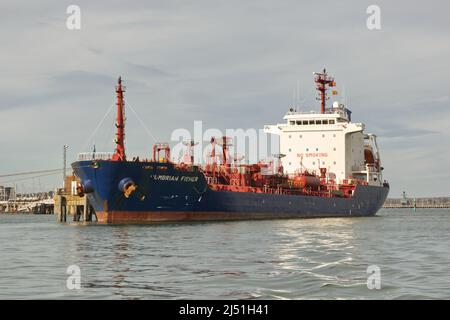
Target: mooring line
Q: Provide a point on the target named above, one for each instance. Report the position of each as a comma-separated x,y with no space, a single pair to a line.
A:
140,121
96,129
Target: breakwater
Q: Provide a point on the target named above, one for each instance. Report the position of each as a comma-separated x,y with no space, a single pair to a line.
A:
435,202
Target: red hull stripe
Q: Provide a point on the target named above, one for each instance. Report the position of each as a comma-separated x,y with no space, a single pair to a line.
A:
183,216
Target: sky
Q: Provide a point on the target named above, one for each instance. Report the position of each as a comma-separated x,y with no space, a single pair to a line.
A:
231,64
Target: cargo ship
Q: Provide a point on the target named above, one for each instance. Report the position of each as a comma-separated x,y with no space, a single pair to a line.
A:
327,167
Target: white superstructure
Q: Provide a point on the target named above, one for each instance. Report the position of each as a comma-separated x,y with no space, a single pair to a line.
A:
328,141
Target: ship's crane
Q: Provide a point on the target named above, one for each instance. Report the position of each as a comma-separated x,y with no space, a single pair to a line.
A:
225,143
190,149
279,156
236,159
157,148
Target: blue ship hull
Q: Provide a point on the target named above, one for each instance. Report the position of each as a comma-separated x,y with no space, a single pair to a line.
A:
165,193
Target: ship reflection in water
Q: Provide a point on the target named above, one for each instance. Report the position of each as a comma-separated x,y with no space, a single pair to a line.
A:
117,270
120,261
278,259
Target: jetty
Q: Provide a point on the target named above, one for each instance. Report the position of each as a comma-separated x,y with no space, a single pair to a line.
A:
35,203
69,203
435,202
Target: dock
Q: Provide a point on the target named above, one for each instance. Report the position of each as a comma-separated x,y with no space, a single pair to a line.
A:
35,203
430,203
69,206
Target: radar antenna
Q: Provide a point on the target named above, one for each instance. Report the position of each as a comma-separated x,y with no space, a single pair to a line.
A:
323,81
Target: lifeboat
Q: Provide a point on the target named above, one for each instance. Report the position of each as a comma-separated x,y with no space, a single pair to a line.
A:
369,158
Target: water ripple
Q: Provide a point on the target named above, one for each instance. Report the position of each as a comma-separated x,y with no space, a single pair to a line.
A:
285,259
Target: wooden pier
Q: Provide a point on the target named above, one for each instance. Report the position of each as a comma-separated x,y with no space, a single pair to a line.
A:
70,206
73,208
27,205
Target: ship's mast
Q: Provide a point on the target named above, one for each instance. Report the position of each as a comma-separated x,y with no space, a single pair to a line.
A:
119,153
213,155
191,144
323,81
225,148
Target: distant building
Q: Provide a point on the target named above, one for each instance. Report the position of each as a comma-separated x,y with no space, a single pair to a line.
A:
7,193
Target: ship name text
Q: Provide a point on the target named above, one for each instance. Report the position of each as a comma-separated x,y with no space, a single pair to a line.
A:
167,177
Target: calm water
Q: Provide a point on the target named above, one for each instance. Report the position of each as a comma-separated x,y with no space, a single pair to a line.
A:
283,259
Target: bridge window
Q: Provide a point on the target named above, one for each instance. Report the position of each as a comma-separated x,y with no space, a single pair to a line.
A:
299,122
325,121
311,121
331,121
318,121
305,122
292,122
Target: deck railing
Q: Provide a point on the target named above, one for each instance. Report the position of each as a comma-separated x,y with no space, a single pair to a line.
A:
95,156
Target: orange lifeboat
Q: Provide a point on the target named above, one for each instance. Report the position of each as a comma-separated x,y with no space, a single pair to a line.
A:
368,156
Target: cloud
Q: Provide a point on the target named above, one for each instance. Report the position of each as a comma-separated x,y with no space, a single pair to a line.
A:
396,130
147,71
